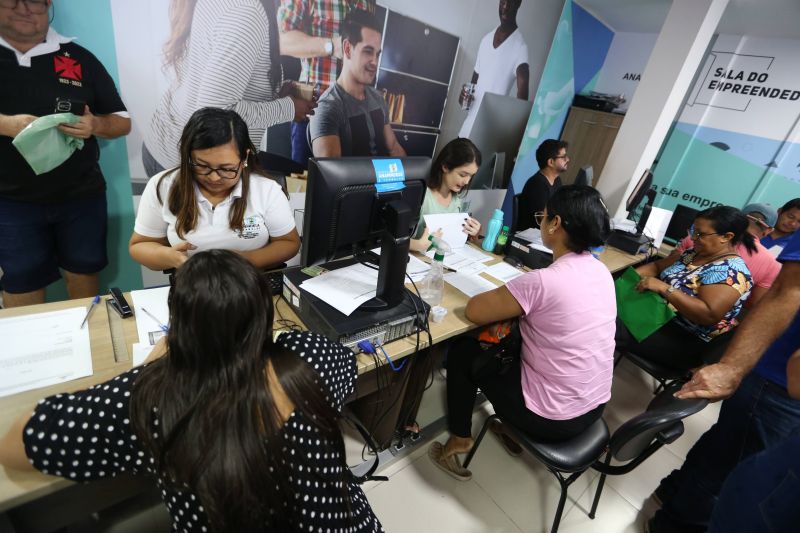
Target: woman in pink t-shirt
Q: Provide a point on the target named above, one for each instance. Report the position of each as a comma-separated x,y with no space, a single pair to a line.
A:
566,313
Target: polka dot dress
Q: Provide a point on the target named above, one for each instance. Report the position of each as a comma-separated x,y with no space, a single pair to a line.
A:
88,435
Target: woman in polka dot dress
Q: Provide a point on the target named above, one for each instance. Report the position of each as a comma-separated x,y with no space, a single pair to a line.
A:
240,433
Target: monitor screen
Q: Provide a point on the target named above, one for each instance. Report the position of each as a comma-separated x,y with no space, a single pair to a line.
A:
585,176
346,203
679,224
640,191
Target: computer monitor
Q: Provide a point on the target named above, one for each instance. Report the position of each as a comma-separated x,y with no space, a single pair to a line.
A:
354,204
585,176
498,129
632,243
679,224
640,191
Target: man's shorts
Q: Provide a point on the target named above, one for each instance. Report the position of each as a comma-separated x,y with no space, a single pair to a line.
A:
38,239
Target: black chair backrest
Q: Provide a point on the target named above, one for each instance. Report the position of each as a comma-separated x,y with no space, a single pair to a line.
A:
661,421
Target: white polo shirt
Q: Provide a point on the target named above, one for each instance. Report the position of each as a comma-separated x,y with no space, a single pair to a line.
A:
267,214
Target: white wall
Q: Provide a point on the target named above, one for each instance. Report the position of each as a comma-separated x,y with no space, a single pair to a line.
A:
471,20
627,56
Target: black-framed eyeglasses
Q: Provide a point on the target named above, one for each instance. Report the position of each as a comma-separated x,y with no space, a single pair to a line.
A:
37,7
565,156
539,218
205,170
697,235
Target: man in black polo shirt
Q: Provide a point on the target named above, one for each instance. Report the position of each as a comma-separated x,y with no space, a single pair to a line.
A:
55,221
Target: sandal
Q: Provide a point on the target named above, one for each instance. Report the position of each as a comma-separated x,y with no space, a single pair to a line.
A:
511,446
451,465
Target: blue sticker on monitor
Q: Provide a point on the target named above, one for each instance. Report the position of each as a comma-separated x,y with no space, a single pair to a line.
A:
389,174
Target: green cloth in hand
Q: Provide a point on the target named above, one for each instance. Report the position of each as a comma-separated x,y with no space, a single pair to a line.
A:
643,313
43,146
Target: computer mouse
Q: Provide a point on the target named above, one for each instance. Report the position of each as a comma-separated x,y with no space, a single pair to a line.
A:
513,261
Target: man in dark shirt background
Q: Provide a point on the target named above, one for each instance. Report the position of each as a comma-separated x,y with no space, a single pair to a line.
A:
553,160
53,222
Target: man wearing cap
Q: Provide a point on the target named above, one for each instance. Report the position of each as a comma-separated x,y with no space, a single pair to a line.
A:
762,265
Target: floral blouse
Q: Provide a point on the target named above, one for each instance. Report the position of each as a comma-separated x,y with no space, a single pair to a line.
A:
730,270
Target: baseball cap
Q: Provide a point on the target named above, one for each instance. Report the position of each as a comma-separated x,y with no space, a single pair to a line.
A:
769,213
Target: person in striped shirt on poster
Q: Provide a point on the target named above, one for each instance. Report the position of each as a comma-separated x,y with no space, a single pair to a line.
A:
224,54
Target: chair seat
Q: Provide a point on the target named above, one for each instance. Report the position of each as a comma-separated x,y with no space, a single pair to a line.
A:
572,455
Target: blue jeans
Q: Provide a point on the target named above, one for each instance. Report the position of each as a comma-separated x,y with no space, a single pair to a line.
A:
758,416
762,493
301,151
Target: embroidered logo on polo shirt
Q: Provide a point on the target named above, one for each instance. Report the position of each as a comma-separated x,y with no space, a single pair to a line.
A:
251,227
68,70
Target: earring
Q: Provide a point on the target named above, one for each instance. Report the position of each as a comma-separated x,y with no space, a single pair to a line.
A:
245,164
550,231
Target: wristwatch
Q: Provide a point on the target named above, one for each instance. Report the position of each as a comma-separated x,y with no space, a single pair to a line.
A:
329,47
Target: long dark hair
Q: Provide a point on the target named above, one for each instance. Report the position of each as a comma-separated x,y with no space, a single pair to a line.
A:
456,153
727,219
181,15
205,411
583,215
207,128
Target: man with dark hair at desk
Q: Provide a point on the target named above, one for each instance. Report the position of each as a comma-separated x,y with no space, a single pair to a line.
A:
758,414
352,118
310,31
55,221
502,63
553,160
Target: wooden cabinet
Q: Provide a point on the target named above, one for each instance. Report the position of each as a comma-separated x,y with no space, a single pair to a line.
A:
590,135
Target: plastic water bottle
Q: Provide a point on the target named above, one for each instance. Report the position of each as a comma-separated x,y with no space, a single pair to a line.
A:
433,282
493,230
502,239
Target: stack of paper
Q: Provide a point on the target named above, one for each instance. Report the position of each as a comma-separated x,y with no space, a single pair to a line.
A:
344,289
43,349
416,269
534,236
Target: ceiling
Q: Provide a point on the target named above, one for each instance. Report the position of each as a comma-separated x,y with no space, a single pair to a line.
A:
757,18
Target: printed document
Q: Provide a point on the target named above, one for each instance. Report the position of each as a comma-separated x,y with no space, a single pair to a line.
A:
43,349
503,271
344,289
469,284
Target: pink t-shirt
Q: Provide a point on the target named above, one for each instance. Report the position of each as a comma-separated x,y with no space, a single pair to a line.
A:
762,265
567,332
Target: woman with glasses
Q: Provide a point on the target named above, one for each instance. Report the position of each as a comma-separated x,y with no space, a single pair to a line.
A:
561,381
215,198
241,432
706,286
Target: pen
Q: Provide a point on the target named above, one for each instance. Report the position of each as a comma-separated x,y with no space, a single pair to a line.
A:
91,308
160,324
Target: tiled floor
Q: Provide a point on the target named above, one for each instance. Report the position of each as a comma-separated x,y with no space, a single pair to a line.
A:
518,494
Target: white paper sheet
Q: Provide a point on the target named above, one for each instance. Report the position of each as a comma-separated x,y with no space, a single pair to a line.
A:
503,271
155,301
656,226
344,288
534,236
140,353
469,284
43,349
451,225
472,252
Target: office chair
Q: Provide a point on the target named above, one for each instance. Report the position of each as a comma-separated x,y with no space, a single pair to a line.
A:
631,444
666,376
